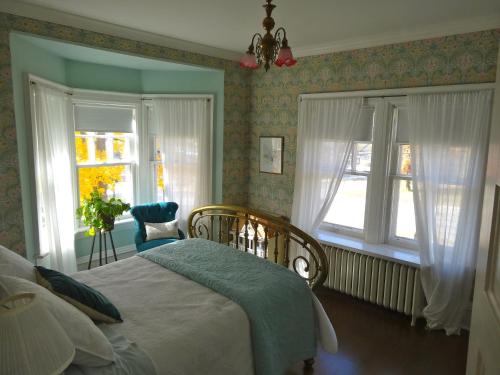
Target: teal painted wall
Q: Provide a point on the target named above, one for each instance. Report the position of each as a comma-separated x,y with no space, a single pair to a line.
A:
109,78
123,236
85,75
90,76
29,58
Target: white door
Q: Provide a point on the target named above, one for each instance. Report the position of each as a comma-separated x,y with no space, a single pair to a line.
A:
484,342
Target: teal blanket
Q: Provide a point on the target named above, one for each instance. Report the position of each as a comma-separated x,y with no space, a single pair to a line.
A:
278,302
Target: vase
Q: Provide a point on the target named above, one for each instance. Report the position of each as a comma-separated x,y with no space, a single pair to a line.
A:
109,223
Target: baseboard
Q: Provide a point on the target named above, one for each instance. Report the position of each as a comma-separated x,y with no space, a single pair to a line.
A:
119,251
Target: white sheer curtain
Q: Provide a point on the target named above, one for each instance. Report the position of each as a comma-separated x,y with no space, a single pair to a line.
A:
325,134
448,139
52,140
183,128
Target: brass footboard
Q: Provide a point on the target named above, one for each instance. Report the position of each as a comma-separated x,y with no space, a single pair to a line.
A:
264,235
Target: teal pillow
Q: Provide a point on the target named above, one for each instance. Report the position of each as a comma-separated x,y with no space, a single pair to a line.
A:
88,300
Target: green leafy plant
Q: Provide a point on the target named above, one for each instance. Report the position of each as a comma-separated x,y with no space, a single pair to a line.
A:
100,214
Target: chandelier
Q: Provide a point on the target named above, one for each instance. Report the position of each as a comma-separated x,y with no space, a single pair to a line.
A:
268,49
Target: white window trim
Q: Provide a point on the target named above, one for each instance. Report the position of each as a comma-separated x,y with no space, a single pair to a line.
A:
104,98
404,255
374,228
379,219
392,160
376,231
84,96
141,176
376,195
343,229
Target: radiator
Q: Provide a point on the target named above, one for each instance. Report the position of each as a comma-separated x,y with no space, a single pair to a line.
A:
387,283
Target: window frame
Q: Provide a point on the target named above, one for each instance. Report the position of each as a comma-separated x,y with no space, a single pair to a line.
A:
344,229
392,238
393,176
101,98
140,168
379,213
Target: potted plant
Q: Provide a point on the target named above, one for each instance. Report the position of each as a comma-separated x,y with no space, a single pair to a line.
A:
100,214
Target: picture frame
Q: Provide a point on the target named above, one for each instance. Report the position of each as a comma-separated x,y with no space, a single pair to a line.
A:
271,154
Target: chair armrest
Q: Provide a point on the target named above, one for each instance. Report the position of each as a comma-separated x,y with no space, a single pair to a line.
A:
138,238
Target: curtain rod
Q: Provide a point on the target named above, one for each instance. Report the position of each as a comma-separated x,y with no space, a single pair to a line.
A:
385,96
34,83
404,91
366,96
208,99
33,80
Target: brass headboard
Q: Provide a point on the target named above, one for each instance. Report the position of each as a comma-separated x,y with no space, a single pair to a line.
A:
264,235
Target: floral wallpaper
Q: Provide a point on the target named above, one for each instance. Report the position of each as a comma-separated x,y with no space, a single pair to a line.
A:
255,103
457,59
236,114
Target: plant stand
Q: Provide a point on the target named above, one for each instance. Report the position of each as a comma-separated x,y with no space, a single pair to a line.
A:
101,234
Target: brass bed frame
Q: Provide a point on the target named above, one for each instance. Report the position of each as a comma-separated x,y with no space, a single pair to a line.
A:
267,236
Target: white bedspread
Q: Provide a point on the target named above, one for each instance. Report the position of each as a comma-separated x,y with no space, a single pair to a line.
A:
183,326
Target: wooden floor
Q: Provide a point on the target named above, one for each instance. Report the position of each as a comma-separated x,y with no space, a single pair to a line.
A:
373,340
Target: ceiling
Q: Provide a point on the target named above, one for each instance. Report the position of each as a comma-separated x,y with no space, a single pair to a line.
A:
229,24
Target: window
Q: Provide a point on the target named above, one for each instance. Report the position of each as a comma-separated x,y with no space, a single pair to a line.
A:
184,158
111,145
347,212
157,180
375,197
182,155
348,207
104,150
402,213
402,210
159,189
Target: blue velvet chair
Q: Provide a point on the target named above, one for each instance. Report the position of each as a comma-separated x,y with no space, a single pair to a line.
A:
153,213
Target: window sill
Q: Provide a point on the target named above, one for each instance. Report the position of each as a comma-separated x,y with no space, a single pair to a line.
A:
120,225
384,251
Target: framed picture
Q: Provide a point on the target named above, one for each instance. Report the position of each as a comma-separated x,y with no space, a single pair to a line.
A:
271,155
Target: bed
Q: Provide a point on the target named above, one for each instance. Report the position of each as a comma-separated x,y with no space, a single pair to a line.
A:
184,327
263,234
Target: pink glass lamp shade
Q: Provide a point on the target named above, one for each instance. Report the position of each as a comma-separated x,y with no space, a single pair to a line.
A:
263,48
249,61
285,57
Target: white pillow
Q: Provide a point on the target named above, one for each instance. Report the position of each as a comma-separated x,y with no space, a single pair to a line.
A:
154,231
92,347
12,264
